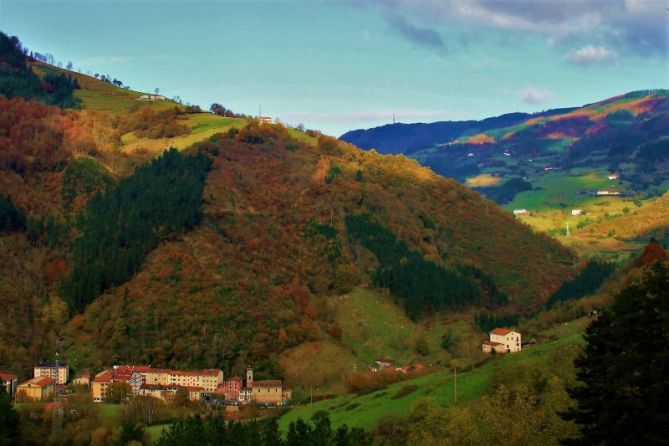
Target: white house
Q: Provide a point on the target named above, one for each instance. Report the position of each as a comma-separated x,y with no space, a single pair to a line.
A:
152,97
614,176
503,340
608,192
576,212
520,212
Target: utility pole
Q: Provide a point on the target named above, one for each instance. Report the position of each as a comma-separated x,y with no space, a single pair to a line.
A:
567,229
393,117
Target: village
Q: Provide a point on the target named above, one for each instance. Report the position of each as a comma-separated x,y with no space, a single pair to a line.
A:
50,380
208,386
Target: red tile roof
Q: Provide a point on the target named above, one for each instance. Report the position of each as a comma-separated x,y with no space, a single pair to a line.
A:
268,383
103,377
170,387
4,376
40,381
501,331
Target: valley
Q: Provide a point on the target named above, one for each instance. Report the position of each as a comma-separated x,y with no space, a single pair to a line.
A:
216,277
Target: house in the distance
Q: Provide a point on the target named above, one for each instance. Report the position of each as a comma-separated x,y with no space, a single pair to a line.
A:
503,340
266,120
152,97
615,176
59,371
39,388
576,212
8,381
608,192
82,380
384,362
521,212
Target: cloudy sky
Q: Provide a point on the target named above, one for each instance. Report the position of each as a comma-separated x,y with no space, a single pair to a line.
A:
337,65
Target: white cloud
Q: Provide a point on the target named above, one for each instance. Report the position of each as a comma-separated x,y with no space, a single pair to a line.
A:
536,95
635,26
590,54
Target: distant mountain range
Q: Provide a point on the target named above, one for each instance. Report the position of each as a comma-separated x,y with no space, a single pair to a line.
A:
627,134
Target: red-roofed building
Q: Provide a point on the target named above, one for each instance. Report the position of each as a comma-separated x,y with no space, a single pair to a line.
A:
231,388
39,388
165,392
139,376
8,381
503,340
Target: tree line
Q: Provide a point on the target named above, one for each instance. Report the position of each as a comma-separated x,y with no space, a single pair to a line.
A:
119,227
216,431
18,79
421,284
586,282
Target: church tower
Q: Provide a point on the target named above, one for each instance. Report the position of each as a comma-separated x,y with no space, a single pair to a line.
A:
249,377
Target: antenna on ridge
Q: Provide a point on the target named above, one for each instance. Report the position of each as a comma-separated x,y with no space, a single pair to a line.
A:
259,110
393,117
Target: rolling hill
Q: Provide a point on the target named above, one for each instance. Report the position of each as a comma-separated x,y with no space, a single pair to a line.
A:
287,222
550,162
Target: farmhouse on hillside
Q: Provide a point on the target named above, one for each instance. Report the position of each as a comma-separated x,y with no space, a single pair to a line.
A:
502,340
521,212
152,97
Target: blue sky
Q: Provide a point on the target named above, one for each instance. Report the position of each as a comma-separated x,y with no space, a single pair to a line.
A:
339,65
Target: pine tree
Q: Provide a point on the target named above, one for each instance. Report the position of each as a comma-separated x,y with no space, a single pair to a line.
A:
9,420
624,370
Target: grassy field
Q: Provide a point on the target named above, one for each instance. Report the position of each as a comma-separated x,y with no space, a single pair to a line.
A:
364,411
100,96
483,180
561,191
373,326
155,431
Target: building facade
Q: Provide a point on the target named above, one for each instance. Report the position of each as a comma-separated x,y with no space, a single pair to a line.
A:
9,382
58,371
39,388
503,340
162,383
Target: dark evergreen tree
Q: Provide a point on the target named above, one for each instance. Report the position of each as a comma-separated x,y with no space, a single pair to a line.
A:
586,282
421,284
11,218
119,227
624,370
9,420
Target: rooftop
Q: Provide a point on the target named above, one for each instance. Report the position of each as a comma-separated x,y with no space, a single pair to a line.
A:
51,364
7,376
268,383
501,331
39,381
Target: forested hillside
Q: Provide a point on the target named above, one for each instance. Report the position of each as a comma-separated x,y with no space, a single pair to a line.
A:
228,252
282,231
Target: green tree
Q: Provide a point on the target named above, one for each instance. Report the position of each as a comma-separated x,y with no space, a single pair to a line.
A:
117,392
9,420
622,398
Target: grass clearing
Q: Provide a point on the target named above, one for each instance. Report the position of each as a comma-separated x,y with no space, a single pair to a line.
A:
483,180
364,411
156,431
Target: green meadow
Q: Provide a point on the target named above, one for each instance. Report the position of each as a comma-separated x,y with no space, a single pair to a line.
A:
366,410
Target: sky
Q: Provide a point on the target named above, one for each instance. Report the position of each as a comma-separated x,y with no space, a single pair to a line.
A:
338,65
